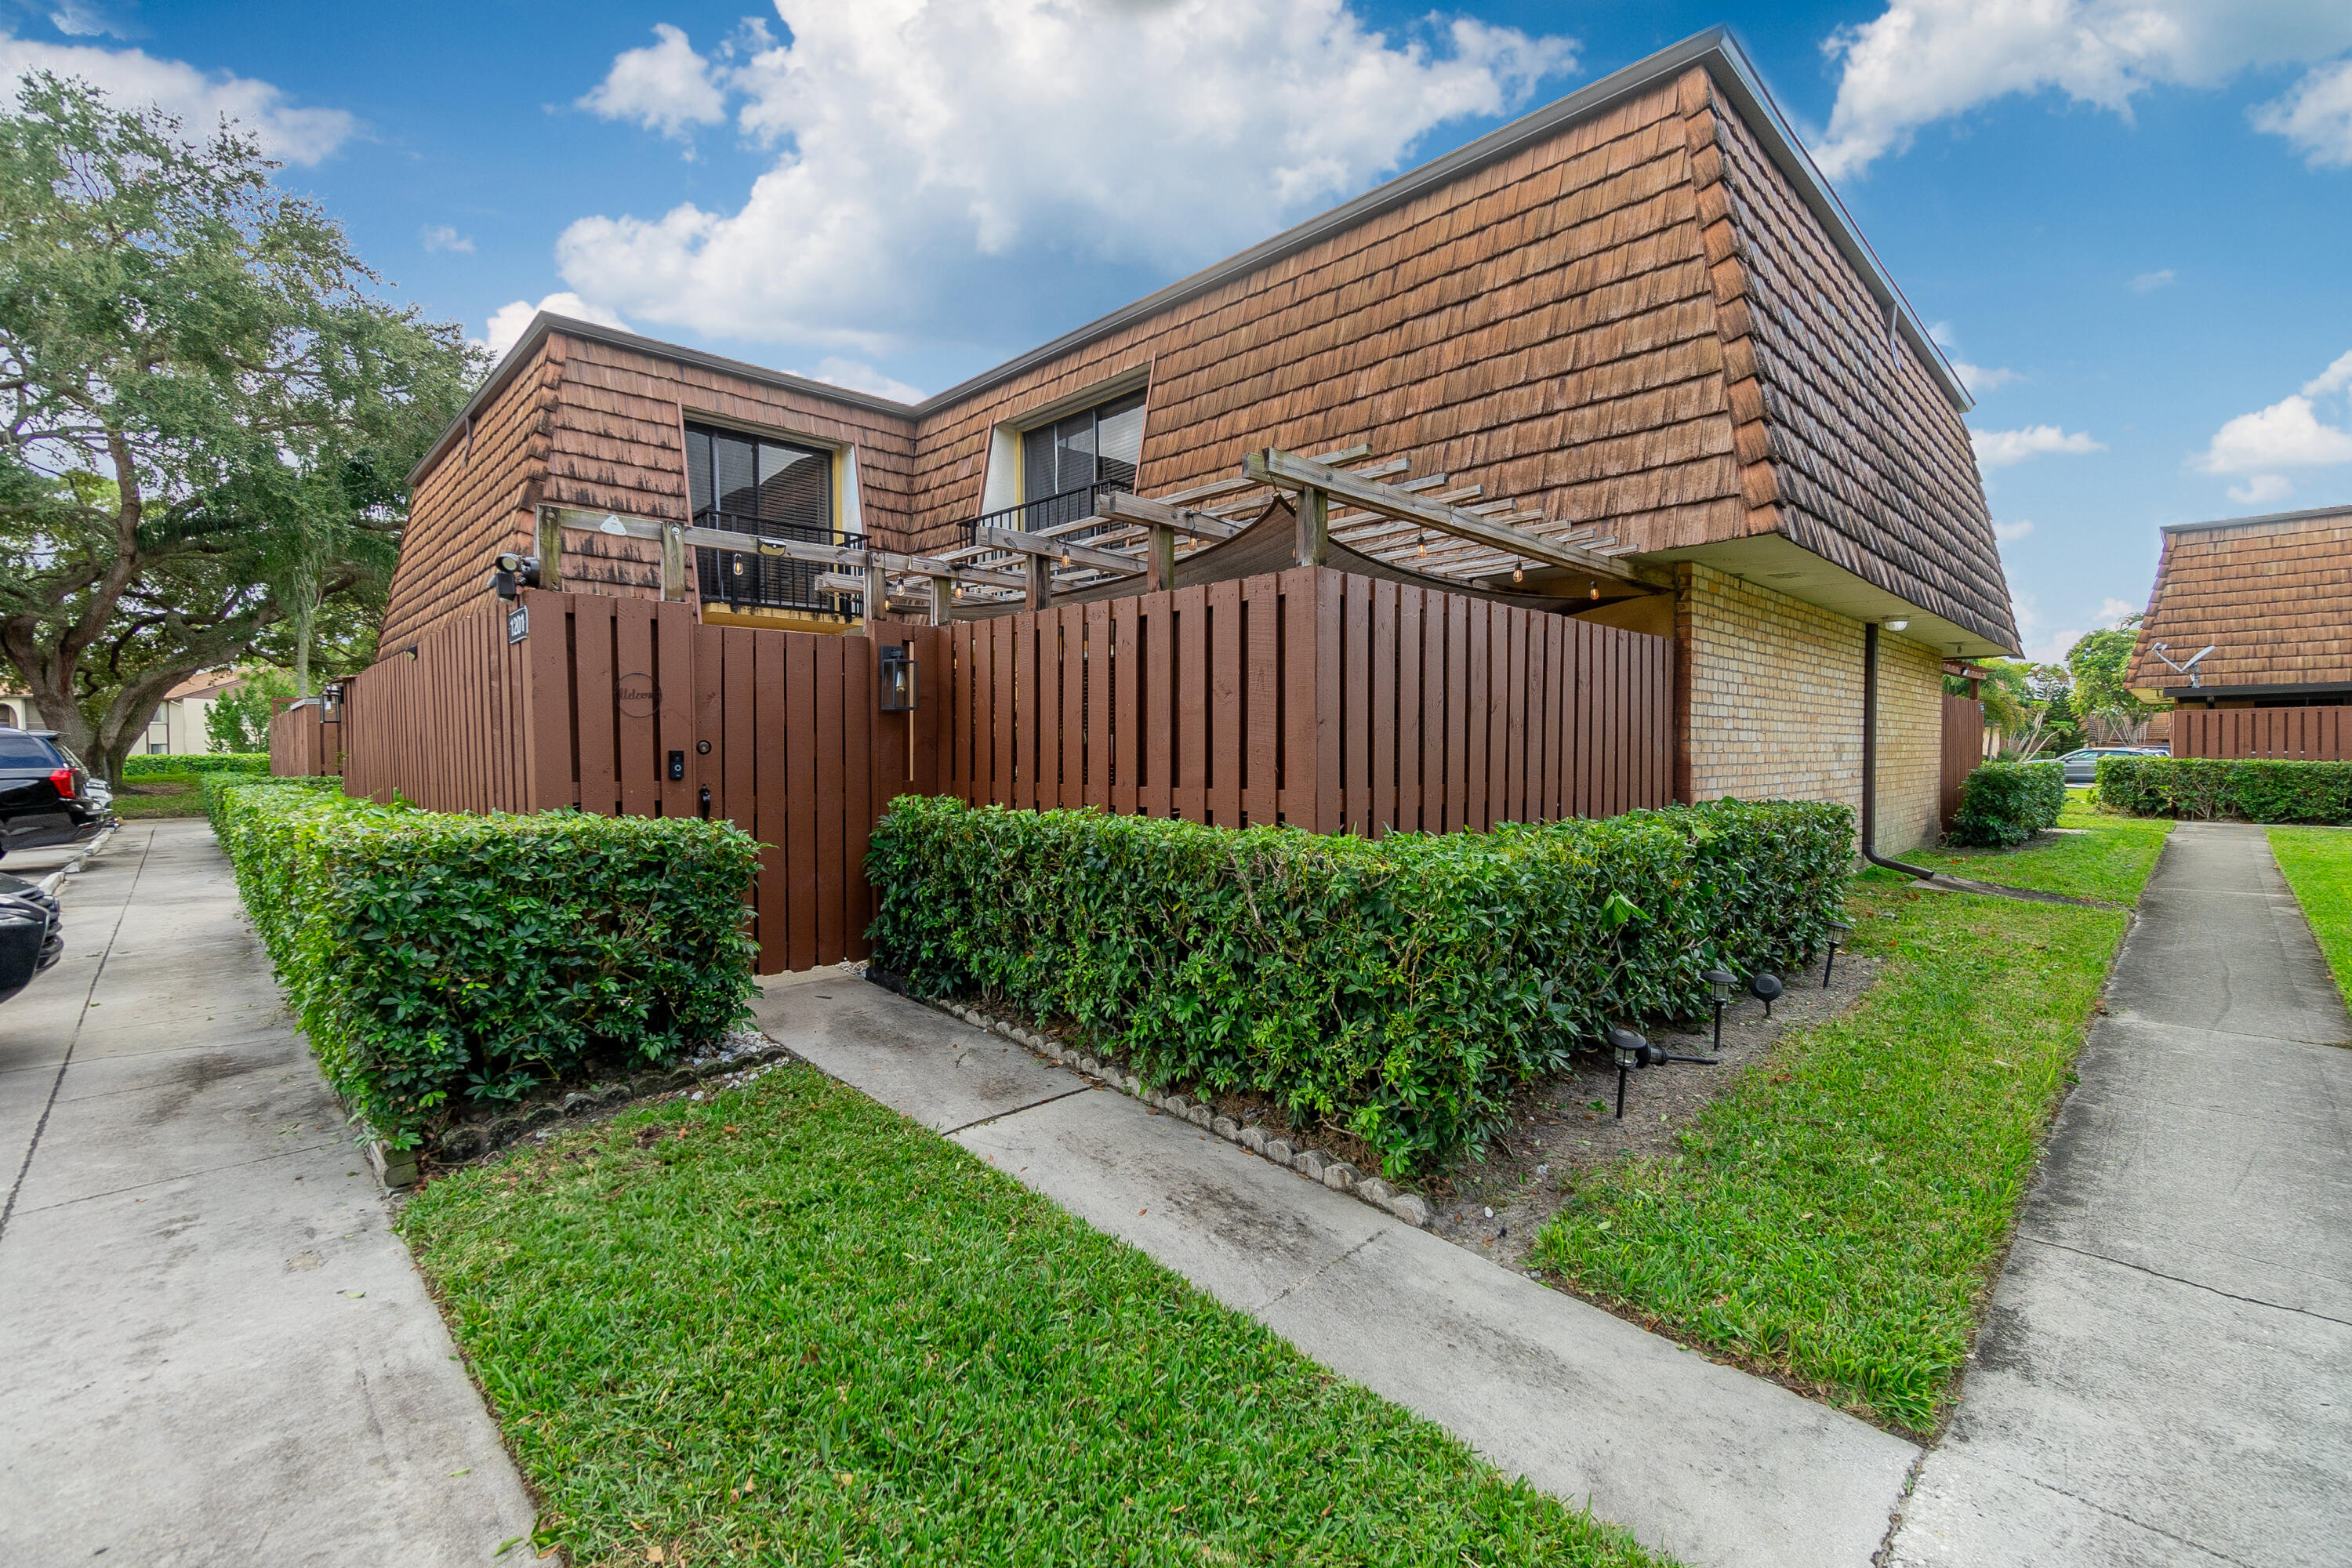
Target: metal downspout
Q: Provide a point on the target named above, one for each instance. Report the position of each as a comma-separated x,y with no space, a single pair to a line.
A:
1869,758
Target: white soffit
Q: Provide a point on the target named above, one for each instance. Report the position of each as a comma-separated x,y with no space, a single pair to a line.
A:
1772,560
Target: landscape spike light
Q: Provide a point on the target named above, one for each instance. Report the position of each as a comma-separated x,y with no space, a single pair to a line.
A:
1838,929
1720,984
1633,1052
1764,985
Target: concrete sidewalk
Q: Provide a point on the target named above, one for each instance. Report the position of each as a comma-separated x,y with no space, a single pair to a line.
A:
212,1349
1719,1469
2165,1375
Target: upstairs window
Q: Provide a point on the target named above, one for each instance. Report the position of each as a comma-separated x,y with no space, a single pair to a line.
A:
1098,446
738,481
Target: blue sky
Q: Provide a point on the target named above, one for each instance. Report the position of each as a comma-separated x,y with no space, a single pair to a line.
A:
2132,219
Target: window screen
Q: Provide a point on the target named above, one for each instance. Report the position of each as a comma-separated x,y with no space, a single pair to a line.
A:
1101,445
738,479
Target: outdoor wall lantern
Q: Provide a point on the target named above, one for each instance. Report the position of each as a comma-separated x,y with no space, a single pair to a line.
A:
1720,985
898,677
1633,1053
1764,985
1838,930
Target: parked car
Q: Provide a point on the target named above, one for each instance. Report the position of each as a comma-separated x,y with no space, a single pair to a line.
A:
45,794
2082,766
32,930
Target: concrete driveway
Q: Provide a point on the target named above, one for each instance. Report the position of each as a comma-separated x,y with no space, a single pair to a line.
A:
212,1348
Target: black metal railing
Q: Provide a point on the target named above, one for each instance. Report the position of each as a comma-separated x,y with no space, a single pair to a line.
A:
745,579
1051,511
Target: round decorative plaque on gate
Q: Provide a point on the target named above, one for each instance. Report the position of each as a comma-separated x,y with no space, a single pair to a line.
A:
637,696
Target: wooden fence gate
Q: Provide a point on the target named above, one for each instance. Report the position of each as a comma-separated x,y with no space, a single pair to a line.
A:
303,743
1963,750
630,707
1333,701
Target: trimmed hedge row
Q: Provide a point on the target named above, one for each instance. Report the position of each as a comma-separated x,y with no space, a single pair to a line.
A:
149,764
434,957
2003,804
2207,788
1402,987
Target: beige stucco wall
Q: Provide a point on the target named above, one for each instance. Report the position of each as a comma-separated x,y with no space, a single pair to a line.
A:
1775,705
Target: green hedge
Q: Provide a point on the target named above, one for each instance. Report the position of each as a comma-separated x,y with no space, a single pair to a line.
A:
1402,987
148,766
2003,804
432,957
2207,788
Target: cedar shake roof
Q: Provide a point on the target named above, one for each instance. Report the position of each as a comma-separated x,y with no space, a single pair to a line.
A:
2274,594
1638,308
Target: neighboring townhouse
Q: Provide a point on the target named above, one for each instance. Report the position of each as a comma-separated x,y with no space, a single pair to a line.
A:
1634,329
2248,636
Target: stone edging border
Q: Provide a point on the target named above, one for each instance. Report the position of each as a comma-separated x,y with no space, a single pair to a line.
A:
1336,1174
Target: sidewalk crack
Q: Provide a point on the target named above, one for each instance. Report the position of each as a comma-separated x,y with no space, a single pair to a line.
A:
2192,1284
1310,1277
1001,1115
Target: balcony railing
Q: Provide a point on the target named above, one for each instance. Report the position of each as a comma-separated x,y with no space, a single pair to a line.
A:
744,579
1051,511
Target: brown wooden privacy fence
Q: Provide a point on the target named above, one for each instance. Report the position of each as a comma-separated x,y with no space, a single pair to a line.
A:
302,745
1328,701
1963,750
630,707
2290,735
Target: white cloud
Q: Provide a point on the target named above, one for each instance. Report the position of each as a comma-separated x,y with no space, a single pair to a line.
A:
133,80
664,87
2315,116
2335,378
78,20
509,321
2051,646
2289,434
935,157
2263,489
2010,532
441,236
859,376
2001,449
1925,60
1979,379
2148,283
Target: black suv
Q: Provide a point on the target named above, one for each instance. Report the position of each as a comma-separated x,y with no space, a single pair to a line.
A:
45,795
32,933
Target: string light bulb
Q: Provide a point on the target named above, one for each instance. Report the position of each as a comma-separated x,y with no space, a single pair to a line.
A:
1596,590
1425,545
1518,572
1066,558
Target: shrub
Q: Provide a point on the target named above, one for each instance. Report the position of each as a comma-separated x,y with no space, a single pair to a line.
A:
1402,987
2206,787
148,766
2003,804
435,956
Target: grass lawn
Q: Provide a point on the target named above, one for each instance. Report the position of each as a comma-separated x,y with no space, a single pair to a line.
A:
1837,1218
788,1326
2110,860
159,795
2318,866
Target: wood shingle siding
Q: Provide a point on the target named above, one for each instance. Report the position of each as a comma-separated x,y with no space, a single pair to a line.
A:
2273,593
1637,310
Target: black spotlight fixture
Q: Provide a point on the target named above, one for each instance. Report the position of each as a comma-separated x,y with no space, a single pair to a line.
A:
1839,930
1633,1053
511,574
1764,985
1720,985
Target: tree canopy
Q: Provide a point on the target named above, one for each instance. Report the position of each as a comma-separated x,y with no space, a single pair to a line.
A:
209,413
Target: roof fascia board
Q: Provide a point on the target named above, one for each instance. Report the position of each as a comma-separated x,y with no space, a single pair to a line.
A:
1716,49
546,322
2314,514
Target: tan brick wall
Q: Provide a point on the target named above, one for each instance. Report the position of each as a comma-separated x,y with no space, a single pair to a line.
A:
1775,705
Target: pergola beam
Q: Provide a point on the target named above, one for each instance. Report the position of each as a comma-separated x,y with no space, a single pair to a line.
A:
1313,482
